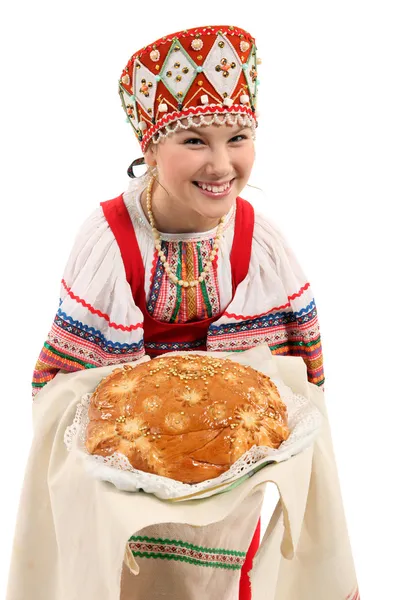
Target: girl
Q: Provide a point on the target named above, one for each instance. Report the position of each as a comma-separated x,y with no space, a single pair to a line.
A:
179,261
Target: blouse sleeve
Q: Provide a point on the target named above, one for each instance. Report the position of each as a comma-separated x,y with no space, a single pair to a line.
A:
294,314
97,322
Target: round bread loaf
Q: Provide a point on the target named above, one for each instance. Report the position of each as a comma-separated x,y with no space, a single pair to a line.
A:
187,417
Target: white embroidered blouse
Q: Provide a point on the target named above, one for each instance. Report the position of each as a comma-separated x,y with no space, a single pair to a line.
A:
98,322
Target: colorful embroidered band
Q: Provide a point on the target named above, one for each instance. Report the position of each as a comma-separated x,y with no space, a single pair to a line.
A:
196,72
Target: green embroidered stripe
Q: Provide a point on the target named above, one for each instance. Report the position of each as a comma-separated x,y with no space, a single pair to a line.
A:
187,560
203,283
39,385
295,344
307,344
144,538
314,343
178,287
68,357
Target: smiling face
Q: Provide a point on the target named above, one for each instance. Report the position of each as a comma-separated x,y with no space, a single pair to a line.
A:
201,172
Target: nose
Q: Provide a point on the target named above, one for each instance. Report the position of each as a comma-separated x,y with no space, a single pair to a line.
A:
218,163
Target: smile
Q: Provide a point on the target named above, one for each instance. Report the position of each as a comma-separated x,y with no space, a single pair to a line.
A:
211,189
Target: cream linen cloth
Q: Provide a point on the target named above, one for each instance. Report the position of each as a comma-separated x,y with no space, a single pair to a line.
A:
72,531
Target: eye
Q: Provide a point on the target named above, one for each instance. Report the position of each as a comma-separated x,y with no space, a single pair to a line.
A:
198,141
191,140
239,138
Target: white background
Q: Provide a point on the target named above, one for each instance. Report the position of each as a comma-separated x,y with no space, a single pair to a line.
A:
328,155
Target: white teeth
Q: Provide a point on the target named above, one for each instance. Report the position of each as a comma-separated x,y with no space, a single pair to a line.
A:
213,188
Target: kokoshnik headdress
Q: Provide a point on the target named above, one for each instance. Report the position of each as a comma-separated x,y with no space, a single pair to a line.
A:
206,72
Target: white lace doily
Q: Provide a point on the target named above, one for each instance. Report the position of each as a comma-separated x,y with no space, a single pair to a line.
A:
304,421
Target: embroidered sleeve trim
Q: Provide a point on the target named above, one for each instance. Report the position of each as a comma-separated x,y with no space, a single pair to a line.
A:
97,312
287,305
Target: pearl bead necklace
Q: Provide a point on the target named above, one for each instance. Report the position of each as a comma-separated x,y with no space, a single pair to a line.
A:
163,258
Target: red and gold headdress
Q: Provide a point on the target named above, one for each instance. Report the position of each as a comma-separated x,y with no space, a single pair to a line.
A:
196,72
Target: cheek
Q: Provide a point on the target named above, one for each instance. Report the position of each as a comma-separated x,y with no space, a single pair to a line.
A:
180,166
169,167
245,161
